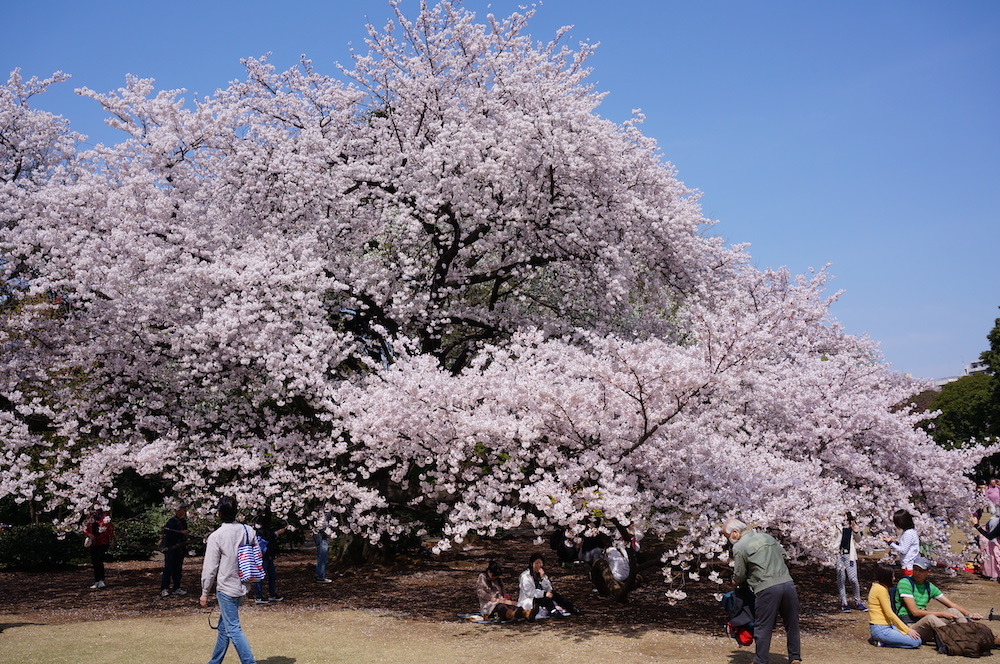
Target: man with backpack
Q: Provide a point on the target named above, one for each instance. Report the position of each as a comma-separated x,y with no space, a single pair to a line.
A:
760,562
914,593
221,571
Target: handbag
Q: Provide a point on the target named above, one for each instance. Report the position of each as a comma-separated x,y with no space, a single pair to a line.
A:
249,561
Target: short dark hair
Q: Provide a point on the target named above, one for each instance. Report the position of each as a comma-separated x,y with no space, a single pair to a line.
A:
884,575
903,520
227,509
494,568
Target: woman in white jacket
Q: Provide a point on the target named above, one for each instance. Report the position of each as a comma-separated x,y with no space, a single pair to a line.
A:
535,591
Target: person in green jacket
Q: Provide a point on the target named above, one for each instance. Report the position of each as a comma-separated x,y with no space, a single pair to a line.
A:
759,561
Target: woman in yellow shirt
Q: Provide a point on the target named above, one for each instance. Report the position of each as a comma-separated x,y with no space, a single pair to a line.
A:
886,628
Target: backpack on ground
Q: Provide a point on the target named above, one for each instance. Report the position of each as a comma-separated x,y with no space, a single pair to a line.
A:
969,639
739,607
249,561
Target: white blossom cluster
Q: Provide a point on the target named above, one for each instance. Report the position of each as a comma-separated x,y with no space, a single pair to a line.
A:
436,291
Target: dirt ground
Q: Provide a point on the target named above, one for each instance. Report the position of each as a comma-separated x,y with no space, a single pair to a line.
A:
407,612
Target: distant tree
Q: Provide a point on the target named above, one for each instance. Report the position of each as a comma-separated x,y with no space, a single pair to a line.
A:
965,411
992,359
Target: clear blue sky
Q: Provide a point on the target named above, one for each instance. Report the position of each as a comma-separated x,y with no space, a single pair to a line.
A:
858,133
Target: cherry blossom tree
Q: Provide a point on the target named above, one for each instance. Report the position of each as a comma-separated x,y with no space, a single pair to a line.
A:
434,292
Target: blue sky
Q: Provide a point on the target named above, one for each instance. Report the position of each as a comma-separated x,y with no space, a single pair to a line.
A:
862,134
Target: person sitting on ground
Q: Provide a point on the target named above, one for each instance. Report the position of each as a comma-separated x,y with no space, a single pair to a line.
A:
885,626
613,573
914,593
536,591
494,603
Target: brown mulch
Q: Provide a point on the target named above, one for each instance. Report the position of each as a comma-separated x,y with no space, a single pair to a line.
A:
432,588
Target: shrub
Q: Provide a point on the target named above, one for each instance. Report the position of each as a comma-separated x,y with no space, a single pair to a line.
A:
37,546
138,538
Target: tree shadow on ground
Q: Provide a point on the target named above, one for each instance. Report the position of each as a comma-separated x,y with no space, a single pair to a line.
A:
428,590
277,659
5,626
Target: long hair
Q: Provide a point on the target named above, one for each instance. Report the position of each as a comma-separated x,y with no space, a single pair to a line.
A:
884,575
531,565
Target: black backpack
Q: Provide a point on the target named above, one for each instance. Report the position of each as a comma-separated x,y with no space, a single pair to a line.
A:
739,607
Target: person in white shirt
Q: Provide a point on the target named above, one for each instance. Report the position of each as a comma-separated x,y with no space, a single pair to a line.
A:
611,573
536,591
908,544
219,571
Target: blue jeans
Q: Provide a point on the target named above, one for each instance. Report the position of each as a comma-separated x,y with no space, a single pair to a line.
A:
322,555
272,583
892,637
230,630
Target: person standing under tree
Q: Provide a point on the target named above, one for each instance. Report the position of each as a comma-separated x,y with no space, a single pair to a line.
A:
846,563
219,571
100,535
908,544
760,562
174,547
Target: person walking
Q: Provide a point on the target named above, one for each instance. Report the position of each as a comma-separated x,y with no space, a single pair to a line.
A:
174,547
219,571
759,561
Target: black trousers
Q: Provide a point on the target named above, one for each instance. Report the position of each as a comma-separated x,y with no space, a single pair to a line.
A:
771,602
98,553
550,603
173,565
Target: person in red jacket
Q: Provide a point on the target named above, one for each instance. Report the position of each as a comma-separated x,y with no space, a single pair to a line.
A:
100,533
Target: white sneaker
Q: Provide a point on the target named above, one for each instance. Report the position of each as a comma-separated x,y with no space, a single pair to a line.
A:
180,591
324,580
98,585
164,593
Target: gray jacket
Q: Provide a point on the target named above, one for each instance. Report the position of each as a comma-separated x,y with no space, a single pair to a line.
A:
219,570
